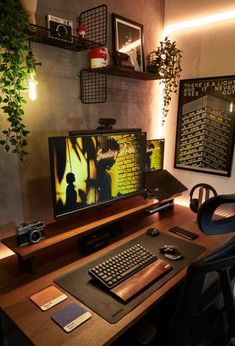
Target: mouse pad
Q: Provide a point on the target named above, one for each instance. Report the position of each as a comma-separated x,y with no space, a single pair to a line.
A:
79,283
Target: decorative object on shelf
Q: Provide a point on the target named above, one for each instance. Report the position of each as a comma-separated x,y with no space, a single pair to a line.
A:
165,62
16,61
30,7
30,232
206,125
128,39
81,30
99,57
59,28
123,60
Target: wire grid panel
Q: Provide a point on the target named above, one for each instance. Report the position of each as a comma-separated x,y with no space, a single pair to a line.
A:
95,23
93,86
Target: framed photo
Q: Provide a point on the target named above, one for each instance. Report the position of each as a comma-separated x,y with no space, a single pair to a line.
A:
205,125
128,39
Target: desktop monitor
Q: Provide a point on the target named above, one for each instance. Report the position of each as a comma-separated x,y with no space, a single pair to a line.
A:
96,169
154,154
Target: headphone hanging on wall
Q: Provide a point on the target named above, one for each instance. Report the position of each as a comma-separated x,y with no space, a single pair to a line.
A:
203,195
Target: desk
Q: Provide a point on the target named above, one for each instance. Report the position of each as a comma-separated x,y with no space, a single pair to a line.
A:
37,325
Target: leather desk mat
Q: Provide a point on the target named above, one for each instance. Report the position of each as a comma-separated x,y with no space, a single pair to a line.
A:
79,283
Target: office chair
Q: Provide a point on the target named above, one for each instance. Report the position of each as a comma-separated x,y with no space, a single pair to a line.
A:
207,318
204,314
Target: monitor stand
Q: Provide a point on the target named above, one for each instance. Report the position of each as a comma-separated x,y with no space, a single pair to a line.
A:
164,205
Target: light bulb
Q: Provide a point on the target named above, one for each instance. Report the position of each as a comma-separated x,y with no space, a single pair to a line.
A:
32,87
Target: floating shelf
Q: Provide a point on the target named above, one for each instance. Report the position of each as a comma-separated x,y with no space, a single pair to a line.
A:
128,73
95,22
93,82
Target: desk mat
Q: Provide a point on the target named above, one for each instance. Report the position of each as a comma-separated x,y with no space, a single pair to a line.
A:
79,283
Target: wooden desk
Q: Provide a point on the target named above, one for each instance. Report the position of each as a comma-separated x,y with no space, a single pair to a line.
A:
37,325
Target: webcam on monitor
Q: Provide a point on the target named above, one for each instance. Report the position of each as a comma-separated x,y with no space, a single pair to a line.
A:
106,123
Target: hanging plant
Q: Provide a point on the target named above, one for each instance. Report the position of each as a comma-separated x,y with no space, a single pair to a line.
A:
166,63
16,61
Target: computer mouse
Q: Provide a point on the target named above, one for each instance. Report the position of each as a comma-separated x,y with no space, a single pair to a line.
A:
153,232
171,252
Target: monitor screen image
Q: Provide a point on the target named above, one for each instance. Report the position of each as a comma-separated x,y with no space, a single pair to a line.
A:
154,154
91,170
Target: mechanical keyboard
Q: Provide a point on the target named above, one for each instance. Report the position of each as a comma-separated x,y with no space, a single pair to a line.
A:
118,268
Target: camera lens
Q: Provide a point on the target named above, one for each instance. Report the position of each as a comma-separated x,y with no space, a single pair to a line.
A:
62,30
35,236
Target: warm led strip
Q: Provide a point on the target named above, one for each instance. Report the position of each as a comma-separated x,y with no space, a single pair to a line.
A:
215,18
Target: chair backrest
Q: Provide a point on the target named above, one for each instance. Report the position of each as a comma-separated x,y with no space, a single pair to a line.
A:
210,225
221,261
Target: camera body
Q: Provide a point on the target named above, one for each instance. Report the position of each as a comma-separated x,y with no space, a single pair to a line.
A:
60,29
30,232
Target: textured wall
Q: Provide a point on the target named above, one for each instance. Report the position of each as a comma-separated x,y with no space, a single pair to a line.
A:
208,51
25,190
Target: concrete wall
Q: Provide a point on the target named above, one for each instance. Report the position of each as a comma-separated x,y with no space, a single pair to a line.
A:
208,51
25,190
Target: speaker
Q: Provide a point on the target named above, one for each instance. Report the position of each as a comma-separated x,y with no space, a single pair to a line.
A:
203,194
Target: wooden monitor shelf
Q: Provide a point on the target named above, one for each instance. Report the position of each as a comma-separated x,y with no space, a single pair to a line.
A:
73,226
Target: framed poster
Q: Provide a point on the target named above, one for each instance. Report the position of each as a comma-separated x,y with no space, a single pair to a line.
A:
128,39
205,125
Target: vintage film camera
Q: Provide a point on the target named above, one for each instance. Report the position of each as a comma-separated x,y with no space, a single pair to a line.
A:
30,232
60,29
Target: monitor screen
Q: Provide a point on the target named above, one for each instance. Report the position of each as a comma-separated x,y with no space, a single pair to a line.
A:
91,170
154,154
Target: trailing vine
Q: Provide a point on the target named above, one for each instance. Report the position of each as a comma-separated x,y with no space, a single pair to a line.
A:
16,61
166,63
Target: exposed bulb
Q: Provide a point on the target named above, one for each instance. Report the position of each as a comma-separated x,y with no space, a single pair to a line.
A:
32,87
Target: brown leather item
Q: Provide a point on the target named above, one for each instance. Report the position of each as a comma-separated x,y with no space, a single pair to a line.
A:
127,289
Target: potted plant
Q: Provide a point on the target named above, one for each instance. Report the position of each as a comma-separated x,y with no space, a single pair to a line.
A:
16,61
166,63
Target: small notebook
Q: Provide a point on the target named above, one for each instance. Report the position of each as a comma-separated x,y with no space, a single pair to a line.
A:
48,297
71,316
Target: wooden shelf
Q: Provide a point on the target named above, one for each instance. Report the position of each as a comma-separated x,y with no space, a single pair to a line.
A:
80,224
93,82
42,35
127,73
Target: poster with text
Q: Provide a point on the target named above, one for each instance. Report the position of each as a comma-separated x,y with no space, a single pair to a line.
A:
205,125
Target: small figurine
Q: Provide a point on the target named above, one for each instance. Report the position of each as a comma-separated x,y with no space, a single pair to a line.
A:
81,30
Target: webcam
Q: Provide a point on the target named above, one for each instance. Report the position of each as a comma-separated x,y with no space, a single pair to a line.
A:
106,123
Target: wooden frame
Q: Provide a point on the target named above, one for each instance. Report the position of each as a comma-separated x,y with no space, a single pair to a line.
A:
128,38
206,125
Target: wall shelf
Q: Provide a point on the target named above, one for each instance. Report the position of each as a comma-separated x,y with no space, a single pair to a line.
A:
95,22
93,82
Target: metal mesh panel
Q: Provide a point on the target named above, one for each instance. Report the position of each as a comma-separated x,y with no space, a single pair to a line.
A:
95,22
93,86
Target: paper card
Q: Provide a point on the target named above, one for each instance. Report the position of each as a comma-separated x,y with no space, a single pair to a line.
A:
48,297
71,316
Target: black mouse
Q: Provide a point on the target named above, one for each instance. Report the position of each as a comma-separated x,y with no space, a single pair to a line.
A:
153,232
171,252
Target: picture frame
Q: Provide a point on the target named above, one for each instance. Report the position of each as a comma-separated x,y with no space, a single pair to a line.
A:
206,125
128,39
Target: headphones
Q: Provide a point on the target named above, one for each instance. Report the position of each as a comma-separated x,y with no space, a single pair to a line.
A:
204,193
